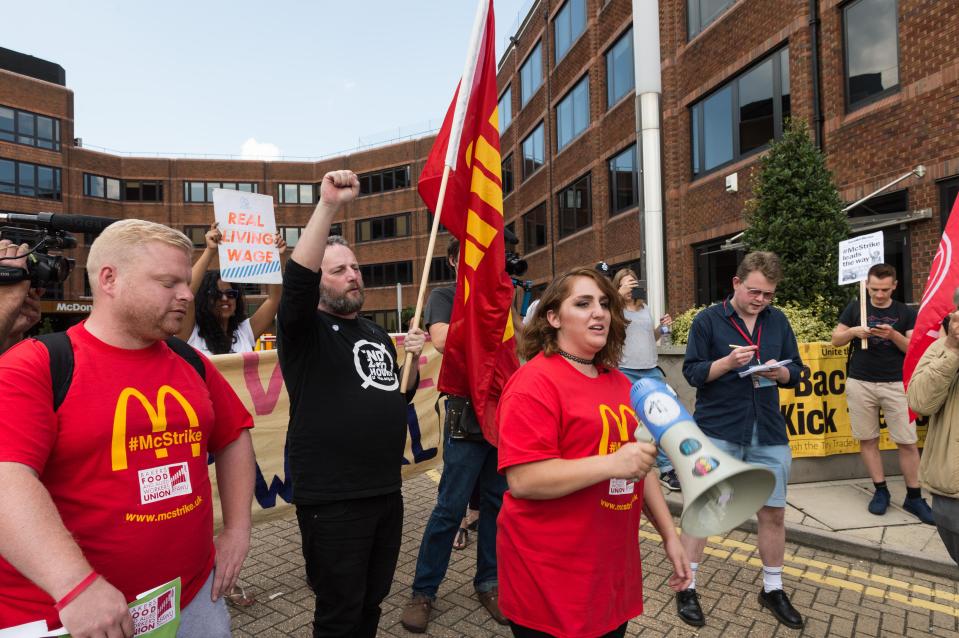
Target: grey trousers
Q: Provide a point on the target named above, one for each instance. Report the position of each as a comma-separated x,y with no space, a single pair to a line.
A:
204,618
945,511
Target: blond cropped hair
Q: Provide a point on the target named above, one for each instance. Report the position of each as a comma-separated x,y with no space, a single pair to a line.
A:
123,239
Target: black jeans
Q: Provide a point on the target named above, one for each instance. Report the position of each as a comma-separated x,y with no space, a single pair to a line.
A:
350,548
525,632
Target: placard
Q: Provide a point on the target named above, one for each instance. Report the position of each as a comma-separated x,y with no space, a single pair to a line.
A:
858,255
248,253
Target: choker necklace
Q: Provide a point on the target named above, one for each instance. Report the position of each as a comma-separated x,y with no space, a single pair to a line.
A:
573,357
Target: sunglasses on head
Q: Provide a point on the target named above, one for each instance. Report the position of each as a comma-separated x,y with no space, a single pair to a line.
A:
232,293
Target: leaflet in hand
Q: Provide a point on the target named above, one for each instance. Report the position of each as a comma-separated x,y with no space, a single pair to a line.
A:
763,367
156,614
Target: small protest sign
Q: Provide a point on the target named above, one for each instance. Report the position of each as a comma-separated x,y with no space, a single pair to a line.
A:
248,252
858,255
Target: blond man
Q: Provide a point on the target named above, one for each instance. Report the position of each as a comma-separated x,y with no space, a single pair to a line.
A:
107,492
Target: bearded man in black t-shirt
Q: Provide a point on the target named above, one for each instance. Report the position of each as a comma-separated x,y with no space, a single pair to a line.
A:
874,381
348,423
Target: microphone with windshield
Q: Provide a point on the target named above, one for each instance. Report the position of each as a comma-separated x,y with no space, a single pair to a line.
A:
60,222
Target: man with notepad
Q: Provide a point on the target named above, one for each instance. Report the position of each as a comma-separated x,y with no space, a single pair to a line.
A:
740,413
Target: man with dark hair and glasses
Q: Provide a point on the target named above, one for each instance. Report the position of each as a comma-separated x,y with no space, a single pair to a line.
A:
741,415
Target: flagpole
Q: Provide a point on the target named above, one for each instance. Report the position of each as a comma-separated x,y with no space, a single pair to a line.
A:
424,278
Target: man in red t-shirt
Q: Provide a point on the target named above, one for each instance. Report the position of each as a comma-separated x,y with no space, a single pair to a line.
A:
108,494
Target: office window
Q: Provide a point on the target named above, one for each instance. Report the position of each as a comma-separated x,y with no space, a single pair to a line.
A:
385,180
30,129
575,207
742,116
572,114
702,12
117,190
386,227
620,75
291,234
948,193
295,193
534,151
715,269
534,229
440,270
388,274
429,224
531,75
336,229
623,181
142,191
113,188
505,109
506,168
29,180
870,34
197,235
202,192
570,22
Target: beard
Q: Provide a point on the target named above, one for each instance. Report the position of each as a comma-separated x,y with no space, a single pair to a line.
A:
341,303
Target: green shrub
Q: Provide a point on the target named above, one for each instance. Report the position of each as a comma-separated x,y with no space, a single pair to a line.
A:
682,323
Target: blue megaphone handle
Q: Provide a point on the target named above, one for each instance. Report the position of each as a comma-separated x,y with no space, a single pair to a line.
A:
657,407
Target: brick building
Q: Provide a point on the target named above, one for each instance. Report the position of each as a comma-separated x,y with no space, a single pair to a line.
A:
884,102
888,85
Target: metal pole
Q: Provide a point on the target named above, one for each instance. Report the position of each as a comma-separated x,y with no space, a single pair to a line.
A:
646,56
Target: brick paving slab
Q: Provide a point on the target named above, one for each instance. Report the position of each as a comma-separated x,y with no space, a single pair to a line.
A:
864,598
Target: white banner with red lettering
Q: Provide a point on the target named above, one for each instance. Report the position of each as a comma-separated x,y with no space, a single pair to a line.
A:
257,379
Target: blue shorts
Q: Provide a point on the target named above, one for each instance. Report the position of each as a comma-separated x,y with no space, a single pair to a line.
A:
777,458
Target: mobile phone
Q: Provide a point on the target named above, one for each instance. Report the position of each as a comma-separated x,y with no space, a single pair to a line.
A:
637,293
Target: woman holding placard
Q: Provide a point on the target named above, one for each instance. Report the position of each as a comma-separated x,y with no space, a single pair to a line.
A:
216,323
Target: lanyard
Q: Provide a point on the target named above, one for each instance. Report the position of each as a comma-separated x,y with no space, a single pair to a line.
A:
759,333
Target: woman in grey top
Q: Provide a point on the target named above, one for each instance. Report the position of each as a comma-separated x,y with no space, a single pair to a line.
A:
639,352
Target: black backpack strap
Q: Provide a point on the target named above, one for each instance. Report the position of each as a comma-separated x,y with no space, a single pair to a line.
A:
188,354
61,361
61,364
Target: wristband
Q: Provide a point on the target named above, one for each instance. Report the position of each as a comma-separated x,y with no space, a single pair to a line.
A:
76,591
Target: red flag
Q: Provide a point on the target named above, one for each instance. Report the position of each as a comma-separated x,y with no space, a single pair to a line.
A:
480,352
937,300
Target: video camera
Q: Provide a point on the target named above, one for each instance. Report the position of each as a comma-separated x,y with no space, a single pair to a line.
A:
516,266
51,231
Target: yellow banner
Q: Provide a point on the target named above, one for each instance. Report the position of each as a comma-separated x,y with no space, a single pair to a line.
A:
256,378
817,417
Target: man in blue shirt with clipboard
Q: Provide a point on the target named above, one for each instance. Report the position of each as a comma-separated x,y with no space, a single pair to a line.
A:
741,414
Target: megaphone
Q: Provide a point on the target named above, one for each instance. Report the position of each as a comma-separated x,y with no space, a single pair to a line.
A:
720,492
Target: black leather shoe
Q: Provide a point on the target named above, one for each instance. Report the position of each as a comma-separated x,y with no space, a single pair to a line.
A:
777,602
687,604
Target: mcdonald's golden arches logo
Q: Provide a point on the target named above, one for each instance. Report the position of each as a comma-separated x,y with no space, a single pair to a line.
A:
623,427
161,439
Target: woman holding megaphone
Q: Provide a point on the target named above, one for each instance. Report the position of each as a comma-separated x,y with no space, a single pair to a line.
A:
567,543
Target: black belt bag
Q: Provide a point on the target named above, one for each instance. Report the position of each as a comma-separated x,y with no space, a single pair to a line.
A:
461,420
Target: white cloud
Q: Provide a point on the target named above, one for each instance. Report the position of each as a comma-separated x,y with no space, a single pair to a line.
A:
252,149
349,85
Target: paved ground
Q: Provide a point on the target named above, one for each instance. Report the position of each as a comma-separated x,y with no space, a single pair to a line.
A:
839,595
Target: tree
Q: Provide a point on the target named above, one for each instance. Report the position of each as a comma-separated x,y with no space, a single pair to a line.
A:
796,213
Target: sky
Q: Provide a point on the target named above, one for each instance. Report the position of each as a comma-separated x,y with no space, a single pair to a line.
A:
285,79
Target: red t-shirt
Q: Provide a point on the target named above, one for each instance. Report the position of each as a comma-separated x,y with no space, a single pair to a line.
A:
568,566
133,491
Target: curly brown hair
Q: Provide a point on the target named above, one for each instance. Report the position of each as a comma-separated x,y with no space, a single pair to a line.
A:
540,336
